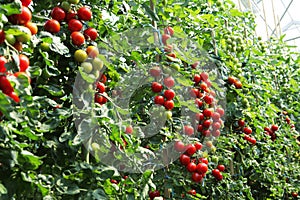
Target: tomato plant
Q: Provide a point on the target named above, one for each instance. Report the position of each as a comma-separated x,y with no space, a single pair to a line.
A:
221,127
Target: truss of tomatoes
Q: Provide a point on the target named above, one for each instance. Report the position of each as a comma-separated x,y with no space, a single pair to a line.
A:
5,85
74,20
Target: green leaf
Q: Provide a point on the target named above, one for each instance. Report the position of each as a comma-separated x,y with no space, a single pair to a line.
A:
28,161
3,190
11,8
53,90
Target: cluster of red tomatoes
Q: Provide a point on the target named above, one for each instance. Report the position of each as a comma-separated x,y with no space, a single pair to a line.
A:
247,132
233,81
165,98
271,131
5,84
23,24
75,22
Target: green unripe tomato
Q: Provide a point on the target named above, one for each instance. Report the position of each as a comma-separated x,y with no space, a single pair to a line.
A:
95,146
10,39
66,5
168,114
97,64
45,46
87,67
74,1
175,66
25,37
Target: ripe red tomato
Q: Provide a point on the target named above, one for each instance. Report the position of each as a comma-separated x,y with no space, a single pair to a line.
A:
2,36
216,116
200,128
274,127
208,99
169,30
247,130
252,140
3,61
77,38
216,125
192,192
14,96
18,46
32,27
206,123
58,14
169,94
194,65
153,194
220,111
184,159
129,129
188,130
169,82
160,100
197,78
194,92
91,33
199,116
202,168
221,168
207,112
100,87
156,87
231,80
241,123
164,38
24,62
196,177
179,146
190,149
22,18
84,13
169,104
206,133
26,2
203,160
5,85
191,167
215,172
294,194
52,26
198,145
204,76
70,15
113,181
74,25
219,177
216,133
238,84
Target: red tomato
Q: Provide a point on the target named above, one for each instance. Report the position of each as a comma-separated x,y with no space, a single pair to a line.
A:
3,61
5,85
169,104
32,27
26,2
70,15
14,96
191,167
221,168
196,177
156,87
169,81
169,30
74,25
22,18
192,192
190,149
160,100
84,13
77,38
198,145
91,33
184,159
164,38
52,26
202,168
179,146
2,36
188,130
247,130
169,94
58,14
101,87
24,62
